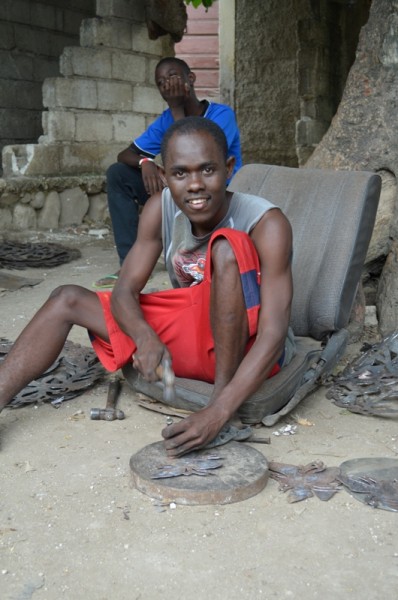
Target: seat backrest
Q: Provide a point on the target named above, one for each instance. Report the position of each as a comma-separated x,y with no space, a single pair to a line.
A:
332,214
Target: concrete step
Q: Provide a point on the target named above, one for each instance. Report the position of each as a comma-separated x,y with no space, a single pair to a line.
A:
30,160
91,126
104,63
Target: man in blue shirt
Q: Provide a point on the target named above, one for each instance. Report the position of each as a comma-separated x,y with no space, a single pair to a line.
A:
135,176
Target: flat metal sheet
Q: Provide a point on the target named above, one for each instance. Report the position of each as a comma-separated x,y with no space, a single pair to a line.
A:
243,474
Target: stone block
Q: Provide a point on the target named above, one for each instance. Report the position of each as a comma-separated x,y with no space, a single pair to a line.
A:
45,66
127,126
93,127
7,39
60,125
25,198
86,62
124,9
19,124
43,15
16,66
309,132
128,67
48,217
150,69
110,33
33,40
21,94
31,159
69,93
5,219
114,96
17,10
38,200
72,20
98,209
90,157
74,206
8,198
142,43
147,100
24,217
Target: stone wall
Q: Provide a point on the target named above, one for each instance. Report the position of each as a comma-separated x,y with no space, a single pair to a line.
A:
33,34
104,97
292,59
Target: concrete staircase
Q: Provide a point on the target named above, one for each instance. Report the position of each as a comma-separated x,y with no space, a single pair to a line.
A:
104,97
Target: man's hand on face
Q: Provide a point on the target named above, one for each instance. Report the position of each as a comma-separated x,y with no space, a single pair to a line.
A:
195,431
151,178
175,91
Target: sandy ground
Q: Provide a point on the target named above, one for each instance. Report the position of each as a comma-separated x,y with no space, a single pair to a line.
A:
73,526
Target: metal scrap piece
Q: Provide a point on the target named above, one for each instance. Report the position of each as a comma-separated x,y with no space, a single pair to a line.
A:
369,384
75,370
202,466
313,479
373,481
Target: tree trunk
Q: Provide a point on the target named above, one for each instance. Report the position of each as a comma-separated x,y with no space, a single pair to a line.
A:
364,133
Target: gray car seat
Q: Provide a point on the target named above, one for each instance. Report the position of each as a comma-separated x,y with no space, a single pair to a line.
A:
332,215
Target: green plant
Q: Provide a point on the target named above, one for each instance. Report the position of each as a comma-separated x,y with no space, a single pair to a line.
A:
196,3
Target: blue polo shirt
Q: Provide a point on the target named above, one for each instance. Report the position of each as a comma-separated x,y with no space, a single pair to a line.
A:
150,141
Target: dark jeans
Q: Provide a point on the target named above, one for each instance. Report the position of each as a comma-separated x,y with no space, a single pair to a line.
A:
126,193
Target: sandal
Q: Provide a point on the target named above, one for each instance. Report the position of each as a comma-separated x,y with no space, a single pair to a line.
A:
106,282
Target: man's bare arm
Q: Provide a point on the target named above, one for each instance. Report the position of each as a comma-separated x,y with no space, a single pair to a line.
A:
150,170
133,277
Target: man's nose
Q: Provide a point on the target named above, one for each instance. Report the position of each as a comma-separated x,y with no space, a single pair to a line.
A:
195,181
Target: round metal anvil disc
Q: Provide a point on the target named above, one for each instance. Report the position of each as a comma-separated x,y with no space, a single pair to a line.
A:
244,473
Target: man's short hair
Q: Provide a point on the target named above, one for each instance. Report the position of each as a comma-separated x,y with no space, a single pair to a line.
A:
173,59
190,125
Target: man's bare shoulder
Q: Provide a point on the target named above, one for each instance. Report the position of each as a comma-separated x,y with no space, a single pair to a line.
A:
273,234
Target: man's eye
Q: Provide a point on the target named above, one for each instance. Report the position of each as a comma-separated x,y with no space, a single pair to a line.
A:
208,170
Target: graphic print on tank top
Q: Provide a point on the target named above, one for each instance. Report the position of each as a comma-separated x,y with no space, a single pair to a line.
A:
189,267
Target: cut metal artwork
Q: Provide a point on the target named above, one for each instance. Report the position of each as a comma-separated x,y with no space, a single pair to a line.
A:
314,479
373,481
202,466
21,255
369,384
76,370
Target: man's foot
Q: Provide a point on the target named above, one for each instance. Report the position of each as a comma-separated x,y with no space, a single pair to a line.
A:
106,282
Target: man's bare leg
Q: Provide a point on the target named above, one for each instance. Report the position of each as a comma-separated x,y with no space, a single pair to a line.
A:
43,338
228,314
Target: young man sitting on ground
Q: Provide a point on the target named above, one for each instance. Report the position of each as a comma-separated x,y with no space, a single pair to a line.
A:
226,320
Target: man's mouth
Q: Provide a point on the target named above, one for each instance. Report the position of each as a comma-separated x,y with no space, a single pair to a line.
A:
197,202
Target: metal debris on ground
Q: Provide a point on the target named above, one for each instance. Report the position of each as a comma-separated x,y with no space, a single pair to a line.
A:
21,255
76,370
202,466
286,430
369,384
314,479
373,481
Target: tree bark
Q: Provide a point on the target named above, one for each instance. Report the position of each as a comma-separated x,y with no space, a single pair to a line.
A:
364,132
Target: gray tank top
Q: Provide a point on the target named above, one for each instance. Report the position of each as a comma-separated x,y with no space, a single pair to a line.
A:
184,253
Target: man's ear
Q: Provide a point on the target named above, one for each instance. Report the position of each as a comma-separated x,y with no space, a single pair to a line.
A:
191,77
230,166
162,175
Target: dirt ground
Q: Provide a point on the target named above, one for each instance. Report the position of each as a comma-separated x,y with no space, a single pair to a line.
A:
73,526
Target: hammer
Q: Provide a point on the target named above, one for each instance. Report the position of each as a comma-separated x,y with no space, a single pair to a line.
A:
166,374
109,413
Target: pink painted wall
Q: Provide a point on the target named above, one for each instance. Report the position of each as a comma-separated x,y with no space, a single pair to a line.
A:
199,48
